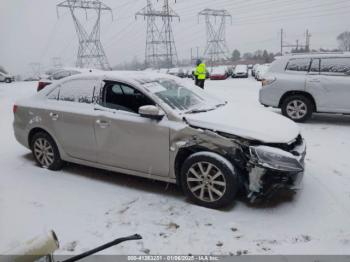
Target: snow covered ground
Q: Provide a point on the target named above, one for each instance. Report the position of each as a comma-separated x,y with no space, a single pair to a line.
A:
87,207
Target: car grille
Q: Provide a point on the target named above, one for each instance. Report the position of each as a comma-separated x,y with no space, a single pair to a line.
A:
289,147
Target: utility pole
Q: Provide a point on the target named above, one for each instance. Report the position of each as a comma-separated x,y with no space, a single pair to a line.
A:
307,41
282,41
160,44
305,47
216,47
90,52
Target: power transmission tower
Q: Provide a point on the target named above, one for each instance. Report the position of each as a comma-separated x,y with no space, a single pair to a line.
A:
216,48
36,69
160,43
90,51
152,37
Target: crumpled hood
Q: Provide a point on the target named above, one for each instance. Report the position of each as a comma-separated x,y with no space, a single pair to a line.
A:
249,123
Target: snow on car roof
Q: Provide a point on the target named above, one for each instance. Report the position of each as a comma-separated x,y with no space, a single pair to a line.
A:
316,55
139,77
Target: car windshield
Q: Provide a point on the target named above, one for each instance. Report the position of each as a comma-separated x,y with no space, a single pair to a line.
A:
181,98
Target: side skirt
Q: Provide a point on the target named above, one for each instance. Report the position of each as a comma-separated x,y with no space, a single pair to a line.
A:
121,170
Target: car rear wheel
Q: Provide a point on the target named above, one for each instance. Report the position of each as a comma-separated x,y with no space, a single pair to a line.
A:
45,151
8,80
297,107
209,180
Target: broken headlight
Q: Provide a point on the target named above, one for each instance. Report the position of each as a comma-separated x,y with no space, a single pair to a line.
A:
275,158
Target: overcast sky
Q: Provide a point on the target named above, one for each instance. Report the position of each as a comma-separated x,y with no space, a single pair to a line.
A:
30,30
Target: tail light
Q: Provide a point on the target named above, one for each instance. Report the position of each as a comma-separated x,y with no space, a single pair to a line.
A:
41,85
14,109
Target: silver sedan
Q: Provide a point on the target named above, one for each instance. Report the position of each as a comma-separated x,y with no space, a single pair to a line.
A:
159,127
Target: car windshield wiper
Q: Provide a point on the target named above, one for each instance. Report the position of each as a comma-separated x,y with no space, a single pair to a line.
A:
197,110
221,105
202,110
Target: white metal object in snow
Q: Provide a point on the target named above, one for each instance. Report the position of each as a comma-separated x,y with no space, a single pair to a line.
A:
33,249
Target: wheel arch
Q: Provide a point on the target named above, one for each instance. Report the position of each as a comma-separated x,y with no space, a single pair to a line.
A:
186,152
36,130
303,93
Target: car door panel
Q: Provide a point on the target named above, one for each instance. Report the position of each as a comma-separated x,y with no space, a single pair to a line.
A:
330,89
129,141
337,92
71,114
73,125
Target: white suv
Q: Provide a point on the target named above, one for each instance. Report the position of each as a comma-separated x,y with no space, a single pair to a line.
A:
6,78
303,84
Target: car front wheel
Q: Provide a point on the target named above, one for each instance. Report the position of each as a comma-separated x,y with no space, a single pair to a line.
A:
209,180
45,151
8,80
297,107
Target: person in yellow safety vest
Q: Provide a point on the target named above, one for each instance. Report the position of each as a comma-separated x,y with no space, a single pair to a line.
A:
200,73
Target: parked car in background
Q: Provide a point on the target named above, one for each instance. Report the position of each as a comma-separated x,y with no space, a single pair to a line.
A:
160,127
219,73
255,67
163,70
6,78
240,71
31,79
60,74
261,71
179,72
305,84
250,66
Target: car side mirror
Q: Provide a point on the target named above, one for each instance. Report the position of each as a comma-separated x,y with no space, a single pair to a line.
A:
151,112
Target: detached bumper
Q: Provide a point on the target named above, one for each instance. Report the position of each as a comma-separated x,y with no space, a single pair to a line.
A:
266,178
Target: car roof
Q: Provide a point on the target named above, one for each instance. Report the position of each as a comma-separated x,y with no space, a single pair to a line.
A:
138,77
317,55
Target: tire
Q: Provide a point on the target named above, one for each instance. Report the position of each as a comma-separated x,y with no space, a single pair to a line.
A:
8,80
299,108
220,186
48,158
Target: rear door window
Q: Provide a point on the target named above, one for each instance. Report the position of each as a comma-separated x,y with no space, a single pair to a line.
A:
78,91
299,65
60,75
335,66
315,66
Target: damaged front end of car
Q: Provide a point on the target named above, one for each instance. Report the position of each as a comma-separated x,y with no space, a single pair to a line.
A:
274,167
263,168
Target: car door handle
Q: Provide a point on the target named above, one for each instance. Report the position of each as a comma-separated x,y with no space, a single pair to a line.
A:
103,123
54,116
314,80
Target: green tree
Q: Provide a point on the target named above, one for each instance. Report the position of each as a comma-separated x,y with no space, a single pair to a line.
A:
265,56
344,41
236,55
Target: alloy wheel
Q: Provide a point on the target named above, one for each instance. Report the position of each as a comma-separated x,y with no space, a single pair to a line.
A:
297,109
206,182
43,152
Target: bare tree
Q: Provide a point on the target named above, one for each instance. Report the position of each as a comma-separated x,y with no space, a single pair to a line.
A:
344,41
